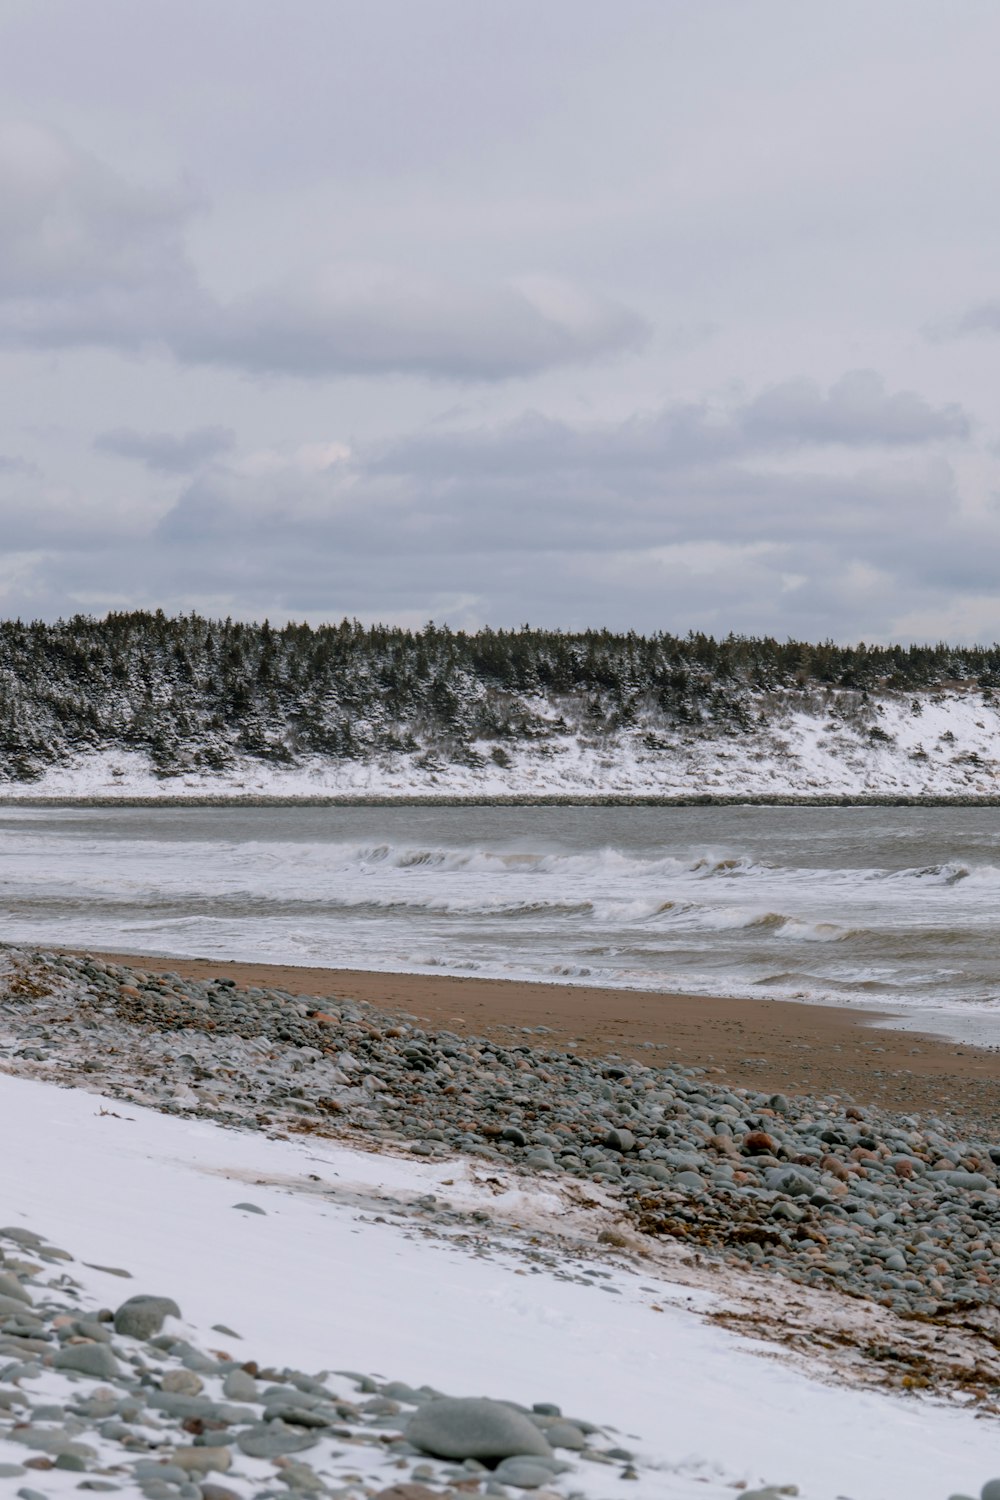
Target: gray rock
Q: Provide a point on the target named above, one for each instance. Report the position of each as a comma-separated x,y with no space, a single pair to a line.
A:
474,1427
990,1490
203,1460
12,1307
239,1386
565,1435
274,1440
89,1359
526,1473
142,1316
250,1208
11,1287
26,1237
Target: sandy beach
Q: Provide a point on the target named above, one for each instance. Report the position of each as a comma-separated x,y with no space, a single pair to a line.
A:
763,1044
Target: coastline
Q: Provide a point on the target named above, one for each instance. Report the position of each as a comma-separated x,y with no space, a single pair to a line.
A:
541,799
779,1045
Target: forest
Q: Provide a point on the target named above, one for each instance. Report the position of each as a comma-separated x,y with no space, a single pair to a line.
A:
191,692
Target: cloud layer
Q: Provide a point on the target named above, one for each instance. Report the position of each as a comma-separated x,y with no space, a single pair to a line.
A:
575,313
89,259
715,516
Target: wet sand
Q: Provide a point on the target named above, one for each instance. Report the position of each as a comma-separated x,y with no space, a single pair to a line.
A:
775,1045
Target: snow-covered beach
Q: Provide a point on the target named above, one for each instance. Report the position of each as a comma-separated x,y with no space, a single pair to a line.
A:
398,1252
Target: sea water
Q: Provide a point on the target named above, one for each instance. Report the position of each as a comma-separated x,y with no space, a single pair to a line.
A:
896,907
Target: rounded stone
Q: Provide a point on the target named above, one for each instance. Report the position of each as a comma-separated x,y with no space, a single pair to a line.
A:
274,1440
523,1472
182,1383
202,1460
474,1427
990,1490
143,1316
88,1359
565,1435
239,1386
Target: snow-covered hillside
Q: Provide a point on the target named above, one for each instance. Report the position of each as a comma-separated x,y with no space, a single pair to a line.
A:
940,744
142,705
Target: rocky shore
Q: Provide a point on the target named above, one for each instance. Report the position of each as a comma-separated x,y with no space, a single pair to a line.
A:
117,1399
865,1206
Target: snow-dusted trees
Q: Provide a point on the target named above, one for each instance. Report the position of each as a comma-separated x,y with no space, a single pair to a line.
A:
191,692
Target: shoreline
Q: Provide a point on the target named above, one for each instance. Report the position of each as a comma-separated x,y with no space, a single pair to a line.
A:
513,799
781,1045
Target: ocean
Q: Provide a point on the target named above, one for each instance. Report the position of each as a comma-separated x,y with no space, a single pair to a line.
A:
885,907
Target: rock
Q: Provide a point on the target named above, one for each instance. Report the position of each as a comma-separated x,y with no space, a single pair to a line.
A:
239,1386
408,1491
524,1472
26,1237
691,1180
619,1140
89,1359
11,1307
565,1435
182,1383
71,1462
250,1208
202,1460
540,1156
474,1427
143,1316
759,1143
274,1440
990,1490
10,1287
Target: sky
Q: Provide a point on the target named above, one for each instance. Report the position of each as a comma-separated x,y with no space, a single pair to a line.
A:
637,314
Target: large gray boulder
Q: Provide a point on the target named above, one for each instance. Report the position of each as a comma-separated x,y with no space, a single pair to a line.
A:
474,1427
143,1316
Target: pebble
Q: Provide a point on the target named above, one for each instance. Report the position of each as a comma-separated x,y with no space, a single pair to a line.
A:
524,1473
143,1316
474,1427
88,1359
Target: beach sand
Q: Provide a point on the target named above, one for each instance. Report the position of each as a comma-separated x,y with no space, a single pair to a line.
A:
774,1045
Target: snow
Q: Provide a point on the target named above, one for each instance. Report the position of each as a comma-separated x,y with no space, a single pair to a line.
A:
938,744
318,1282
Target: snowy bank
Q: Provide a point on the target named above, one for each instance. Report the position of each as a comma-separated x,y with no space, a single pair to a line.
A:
321,1280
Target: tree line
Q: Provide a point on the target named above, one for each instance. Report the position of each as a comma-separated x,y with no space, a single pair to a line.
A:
195,693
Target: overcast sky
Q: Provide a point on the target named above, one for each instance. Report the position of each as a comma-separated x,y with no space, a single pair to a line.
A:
651,314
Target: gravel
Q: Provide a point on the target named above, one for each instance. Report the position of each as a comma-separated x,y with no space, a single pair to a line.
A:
900,1210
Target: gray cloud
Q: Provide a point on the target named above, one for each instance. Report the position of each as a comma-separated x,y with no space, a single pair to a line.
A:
338,322
984,317
857,412
86,258
89,259
685,478
377,192
165,452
